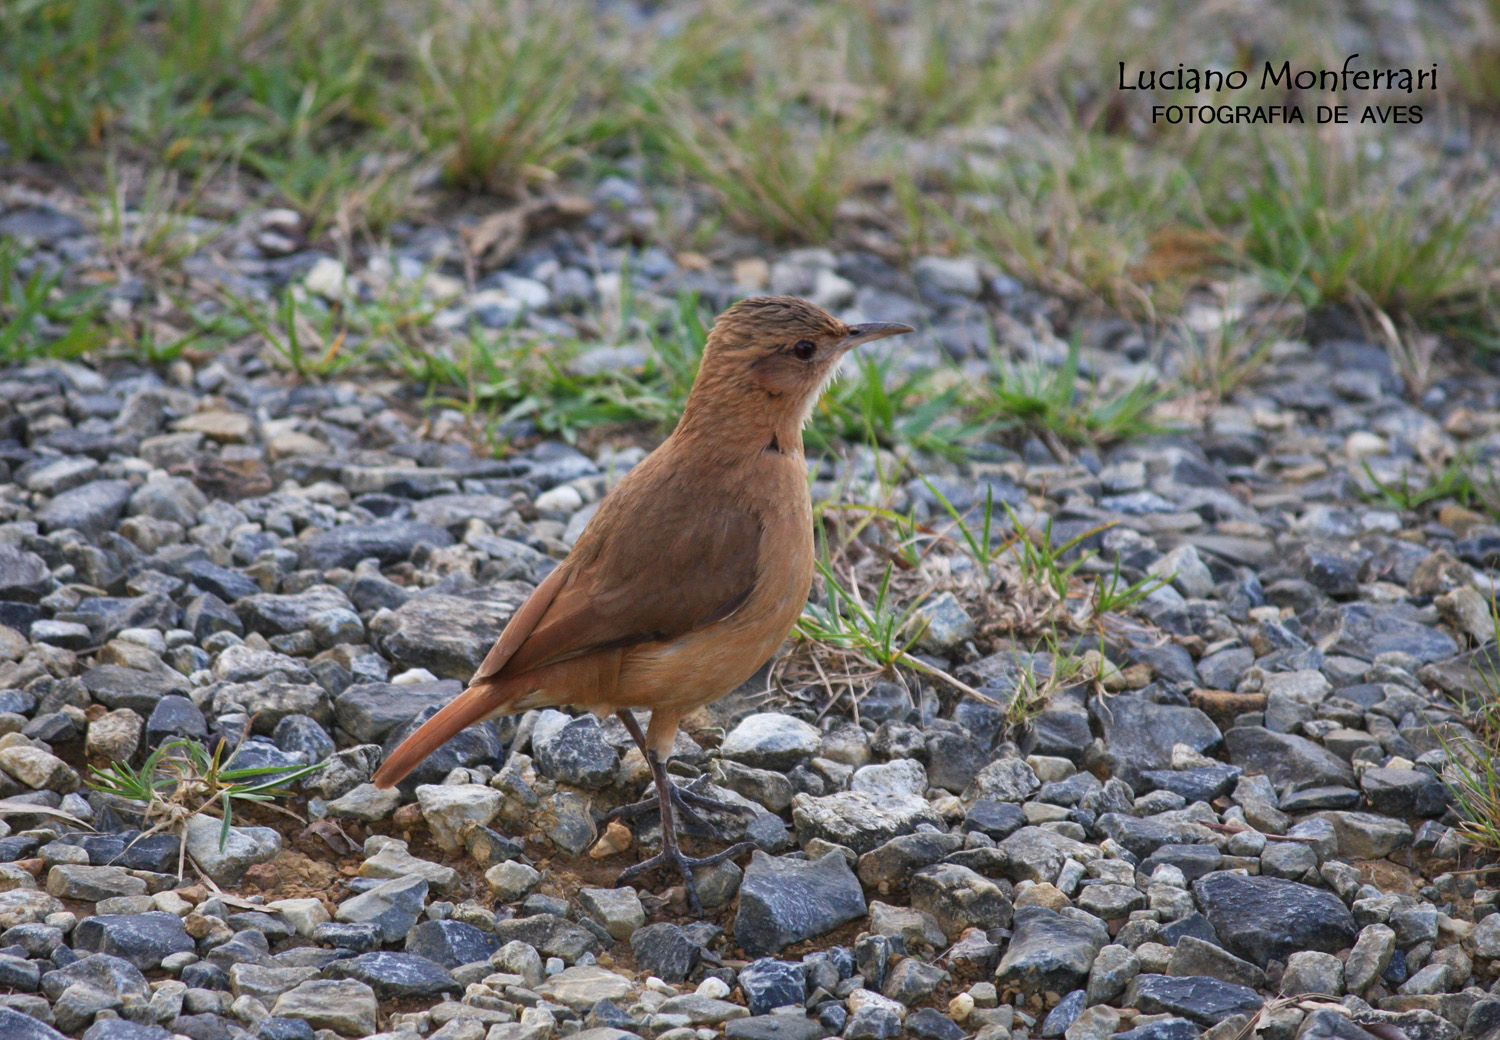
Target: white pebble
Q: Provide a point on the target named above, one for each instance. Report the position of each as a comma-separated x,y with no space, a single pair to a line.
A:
713,987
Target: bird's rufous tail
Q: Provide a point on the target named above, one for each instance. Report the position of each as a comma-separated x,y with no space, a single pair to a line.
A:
474,704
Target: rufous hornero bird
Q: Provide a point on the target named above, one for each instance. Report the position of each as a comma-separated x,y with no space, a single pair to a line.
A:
691,573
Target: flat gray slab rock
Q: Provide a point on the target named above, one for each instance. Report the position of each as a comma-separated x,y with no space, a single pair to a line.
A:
1265,918
783,901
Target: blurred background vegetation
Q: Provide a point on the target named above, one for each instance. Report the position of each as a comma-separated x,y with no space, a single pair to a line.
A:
991,128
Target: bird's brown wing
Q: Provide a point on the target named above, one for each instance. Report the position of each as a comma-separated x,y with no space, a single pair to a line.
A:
666,573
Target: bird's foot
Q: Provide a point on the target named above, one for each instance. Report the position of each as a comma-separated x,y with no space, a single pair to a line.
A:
671,856
683,800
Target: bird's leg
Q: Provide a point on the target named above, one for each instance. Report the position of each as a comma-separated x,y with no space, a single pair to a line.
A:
671,855
683,798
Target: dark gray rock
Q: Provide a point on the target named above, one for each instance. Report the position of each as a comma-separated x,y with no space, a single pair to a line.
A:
576,753
931,1024
664,950
1367,630
1193,860
449,943
1265,918
389,541
369,711
959,899
1286,759
997,820
1200,998
448,634
41,224
953,759
1139,735
872,1022
141,939
769,983
770,740
1064,1014
392,906
16,1026
857,820
91,509
123,1029
117,687
1162,1029
1049,952
174,716
310,609
894,862
360,938
1144,835
395,975
1199,784
774,1027
24,576
783,901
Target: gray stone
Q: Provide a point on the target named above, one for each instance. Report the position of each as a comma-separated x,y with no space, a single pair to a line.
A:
1007,779
583,986
345,1006
1206,1001
1366,835
1367,630
1037,854
449,943
1311,972
575,752
1194,956
1286,759
943,623
619,910
770,740
142,939
892,863
368,712
24,576
959,899
1112,970
1140,735
451,809
783,901
243,847
91,509
769,983
394,976
912,981
447,634
392,906
389,541
664,950
1049,952
1370,957
91,884
1261,918
857,820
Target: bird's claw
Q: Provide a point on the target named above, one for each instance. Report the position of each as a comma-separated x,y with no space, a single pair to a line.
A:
684,799
672,856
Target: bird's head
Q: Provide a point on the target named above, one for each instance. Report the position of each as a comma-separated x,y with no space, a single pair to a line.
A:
779,352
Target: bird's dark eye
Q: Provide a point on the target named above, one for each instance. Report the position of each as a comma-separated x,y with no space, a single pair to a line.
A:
804,349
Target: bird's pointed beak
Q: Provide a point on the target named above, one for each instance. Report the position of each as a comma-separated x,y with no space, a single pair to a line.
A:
872,330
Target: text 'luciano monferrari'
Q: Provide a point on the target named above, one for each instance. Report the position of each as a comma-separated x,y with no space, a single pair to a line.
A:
1284,77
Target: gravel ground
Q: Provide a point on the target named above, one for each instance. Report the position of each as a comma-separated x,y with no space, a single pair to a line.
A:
1238,822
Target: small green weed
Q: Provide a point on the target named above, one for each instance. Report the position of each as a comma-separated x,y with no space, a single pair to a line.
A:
1058,404
38,319
181,779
